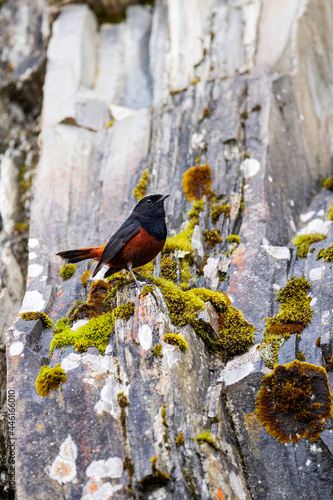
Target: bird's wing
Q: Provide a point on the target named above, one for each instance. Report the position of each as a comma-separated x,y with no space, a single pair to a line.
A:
125,233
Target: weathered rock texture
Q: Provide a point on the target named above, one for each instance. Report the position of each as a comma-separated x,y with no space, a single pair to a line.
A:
219,80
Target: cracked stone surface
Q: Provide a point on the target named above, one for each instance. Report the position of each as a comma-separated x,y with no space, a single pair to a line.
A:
246,87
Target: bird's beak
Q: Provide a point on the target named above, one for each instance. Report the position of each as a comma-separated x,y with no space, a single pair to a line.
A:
164,197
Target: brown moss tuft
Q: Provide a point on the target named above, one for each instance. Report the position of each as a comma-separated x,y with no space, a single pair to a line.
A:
294,402
197,182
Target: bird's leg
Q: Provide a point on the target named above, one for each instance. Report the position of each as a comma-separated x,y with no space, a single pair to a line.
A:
146,280
138,284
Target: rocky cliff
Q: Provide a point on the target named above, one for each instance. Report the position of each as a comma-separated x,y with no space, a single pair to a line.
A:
167,397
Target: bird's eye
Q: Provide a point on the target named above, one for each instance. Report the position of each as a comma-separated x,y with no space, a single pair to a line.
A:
149,200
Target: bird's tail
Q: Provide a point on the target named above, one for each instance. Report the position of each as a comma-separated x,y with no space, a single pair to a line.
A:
74,256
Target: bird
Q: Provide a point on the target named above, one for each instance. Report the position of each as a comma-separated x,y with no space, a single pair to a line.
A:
138,240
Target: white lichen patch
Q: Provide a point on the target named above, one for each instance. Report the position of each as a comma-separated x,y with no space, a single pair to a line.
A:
33,242
316,273
79,323
237,486
325,318
32,255
16,348
35,270
145,337
63,468
197,141
250,167
71,361
307,216
279,253
113,468
108,401
33,301
99,491
240,367
171,354
316,226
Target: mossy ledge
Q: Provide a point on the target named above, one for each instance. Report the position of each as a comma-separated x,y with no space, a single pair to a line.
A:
294,315
236,334
304,241
49,379
177,340
33,316
124,311
141,188
294,402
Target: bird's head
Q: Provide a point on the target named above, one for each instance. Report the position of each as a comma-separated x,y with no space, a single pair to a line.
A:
152,205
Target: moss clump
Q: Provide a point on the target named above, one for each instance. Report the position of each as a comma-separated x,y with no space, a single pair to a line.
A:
157,350
111,123
146,290
168,268
95,304
303,242
33,316
156,478
218,210
94,333
207,437
178,340
183,306
49,379
325,254
300,356
256,108
236,334
196,182
164,422
295,304
220,300
124,311
212,237
67,271
140,190
294,315
76,304
180,439
85,277
182,241
294,402
328,183
233,238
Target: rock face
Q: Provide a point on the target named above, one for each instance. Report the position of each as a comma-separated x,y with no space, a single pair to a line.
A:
245,87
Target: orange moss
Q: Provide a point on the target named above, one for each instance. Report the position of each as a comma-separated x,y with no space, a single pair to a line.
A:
197,182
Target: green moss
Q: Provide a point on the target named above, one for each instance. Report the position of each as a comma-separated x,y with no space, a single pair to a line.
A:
180,439
328,183
140,190
164,422
218,210
212,237
168,268
179,242
85,277
300,356
303,242
219,300
157,350
294,402
49,379
325,254
183,306
76,304
206,113
124,311
61,324
33,316
196,182
111,123
207,437
294,315
21,227
123,403
146,290
236,334
178,340
233,238
330,214
156,478
67,271
94,333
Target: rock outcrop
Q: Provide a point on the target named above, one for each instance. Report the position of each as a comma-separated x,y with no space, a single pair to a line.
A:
243,86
